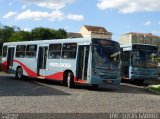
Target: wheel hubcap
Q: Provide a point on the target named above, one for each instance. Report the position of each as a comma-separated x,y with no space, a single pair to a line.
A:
68,81
19,73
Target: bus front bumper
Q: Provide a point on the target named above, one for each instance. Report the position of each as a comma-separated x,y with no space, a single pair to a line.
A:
107,83
143,77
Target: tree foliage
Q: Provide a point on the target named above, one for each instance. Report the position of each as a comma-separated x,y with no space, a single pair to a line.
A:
41,33
14,34
9,34
5,33
20,36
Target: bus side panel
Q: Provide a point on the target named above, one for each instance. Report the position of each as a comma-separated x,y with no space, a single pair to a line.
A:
56,68
7,62
4,64
28,65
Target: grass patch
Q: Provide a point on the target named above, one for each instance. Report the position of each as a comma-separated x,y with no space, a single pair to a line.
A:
155,88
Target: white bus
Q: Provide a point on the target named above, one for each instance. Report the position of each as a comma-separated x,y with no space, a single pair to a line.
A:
79,60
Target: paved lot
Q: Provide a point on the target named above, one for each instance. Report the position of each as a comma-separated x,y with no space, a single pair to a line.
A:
29,96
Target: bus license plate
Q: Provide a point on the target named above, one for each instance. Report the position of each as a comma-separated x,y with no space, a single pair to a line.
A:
107,81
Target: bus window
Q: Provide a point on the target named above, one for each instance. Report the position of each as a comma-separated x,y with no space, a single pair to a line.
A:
54,51
4,51
31,51
69,50
20,51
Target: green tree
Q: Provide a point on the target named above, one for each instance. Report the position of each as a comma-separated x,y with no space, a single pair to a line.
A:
20,36
41,33
6,33
61,33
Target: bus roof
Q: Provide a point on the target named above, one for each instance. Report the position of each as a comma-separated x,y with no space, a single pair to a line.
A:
70,40
73,40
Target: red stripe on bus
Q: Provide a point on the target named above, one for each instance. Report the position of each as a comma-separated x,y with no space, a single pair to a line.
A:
58,76
81,81
4,66
29,71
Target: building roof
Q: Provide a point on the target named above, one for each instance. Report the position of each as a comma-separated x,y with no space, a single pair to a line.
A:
145,34
96,29
74,35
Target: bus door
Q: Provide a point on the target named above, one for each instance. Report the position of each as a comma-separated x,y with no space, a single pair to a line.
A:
82,62
10,58
41,61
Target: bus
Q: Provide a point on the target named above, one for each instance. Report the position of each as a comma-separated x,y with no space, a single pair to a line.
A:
139,62
79,60
1,44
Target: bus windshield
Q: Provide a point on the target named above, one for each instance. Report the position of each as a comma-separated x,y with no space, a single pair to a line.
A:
144,58
107,57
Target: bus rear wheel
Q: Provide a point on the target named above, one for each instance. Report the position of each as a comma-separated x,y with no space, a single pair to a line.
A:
19,73
70,80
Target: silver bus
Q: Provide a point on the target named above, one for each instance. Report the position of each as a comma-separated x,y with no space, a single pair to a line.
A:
79,60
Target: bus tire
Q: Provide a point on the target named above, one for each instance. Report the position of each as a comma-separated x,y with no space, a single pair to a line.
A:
94,86
19,73
70,80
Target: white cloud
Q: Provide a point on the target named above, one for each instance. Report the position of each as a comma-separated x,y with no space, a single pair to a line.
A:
37,15
130,6
51,4
9,14
54,15
54,5
24,7
147,23
75,17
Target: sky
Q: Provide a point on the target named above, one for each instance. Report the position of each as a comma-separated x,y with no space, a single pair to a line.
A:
117,16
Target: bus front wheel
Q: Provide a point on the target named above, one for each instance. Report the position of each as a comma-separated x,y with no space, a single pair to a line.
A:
19,73
70,80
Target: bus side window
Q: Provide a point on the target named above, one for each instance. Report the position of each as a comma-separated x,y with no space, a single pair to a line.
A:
31,51
69,50
54,51
4,54
20,51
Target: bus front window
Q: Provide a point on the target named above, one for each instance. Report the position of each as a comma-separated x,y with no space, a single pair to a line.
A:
144,58
106,57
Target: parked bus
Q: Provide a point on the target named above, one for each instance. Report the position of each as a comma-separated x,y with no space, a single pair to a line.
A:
79,60
1,45
139,62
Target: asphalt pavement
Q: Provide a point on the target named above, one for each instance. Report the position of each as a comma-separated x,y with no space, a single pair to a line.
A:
48,97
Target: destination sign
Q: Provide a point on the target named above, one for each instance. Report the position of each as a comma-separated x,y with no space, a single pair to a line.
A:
145,47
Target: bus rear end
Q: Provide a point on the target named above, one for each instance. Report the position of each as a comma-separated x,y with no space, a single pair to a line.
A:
105,63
